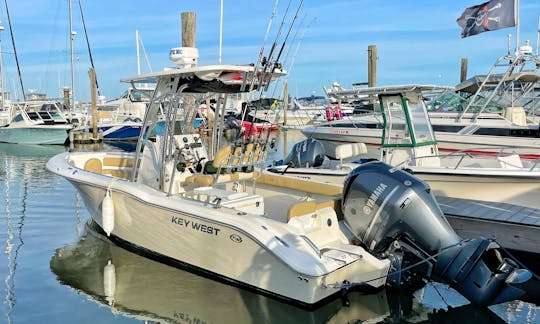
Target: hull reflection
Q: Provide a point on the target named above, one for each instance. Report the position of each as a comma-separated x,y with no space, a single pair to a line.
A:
139,287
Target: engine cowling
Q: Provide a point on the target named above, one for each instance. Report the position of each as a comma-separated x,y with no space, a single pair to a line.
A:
307,153
395,215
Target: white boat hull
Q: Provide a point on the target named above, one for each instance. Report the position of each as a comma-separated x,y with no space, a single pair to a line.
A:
35,135
446,142
242,249
495,185
516,190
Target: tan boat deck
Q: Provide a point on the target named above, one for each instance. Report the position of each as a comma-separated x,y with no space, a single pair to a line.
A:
281,194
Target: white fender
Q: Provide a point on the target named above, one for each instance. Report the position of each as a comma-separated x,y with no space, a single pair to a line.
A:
109,282
107,213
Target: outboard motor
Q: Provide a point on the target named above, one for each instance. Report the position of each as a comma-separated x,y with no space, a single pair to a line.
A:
307,153
394,214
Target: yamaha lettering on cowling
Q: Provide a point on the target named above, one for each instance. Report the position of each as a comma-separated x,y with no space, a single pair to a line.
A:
394,214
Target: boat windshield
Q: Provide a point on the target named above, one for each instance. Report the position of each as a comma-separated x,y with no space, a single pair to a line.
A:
419,120
406,123
395,125
141,95
456,102
137,95
313,101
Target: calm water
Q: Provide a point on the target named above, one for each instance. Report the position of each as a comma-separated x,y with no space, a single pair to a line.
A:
54,269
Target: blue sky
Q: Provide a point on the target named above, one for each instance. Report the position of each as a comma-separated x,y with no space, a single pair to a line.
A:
417,41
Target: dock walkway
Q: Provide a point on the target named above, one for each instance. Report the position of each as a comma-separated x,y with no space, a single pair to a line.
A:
514,227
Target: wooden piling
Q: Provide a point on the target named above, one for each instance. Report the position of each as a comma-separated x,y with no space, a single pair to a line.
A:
66,98
285,102
372,65
92,74
188,29
464,63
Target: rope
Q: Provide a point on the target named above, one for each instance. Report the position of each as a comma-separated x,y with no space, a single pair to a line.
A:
113,179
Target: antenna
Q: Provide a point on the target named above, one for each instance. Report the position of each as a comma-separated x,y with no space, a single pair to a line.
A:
220,29
538,36
516,13
508,49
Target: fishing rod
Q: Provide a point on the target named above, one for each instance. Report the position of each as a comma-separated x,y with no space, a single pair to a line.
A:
261,52
290,29
294,40
266,61
278,114
287,55
268,65
261,61
275,63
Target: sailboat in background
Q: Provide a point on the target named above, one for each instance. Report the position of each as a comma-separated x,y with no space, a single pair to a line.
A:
30,122
4,107
120,119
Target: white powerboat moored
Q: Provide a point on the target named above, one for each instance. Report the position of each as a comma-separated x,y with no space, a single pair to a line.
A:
212,208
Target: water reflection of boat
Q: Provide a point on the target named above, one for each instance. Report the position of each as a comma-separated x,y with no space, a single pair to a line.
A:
21,172
30,150
139,287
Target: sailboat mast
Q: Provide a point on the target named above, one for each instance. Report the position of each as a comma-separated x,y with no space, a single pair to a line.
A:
138,55
220,29
71,37
2,91
516,18
88,45
15,52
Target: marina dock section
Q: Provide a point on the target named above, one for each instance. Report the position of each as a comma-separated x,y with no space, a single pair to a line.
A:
514,227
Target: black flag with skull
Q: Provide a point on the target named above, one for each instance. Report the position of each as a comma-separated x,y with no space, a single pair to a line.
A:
492,15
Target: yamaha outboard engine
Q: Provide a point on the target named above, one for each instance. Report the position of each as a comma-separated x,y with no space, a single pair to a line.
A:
394,214
307,153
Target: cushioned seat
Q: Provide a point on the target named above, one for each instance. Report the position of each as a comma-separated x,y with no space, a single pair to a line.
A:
94,165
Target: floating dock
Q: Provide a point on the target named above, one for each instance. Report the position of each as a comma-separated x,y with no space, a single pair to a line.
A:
514,227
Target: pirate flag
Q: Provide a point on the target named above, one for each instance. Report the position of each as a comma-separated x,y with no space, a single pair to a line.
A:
492,15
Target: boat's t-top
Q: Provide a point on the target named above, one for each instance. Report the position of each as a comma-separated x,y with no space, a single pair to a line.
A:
171,140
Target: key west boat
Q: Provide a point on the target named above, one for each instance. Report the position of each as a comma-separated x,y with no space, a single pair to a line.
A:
211,208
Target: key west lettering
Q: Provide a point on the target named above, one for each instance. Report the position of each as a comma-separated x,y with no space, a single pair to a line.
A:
195,226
